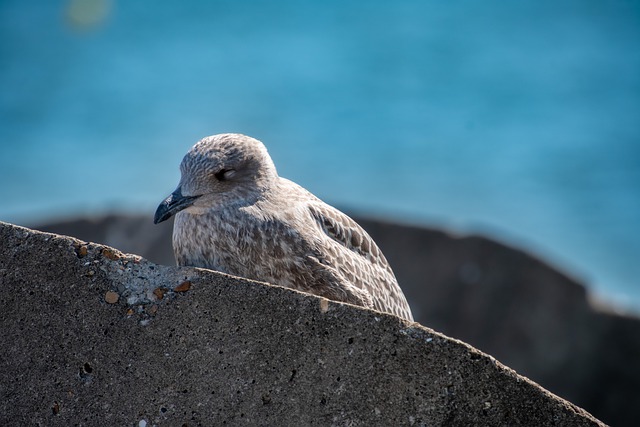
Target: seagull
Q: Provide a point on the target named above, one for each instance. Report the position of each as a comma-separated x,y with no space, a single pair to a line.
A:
235,214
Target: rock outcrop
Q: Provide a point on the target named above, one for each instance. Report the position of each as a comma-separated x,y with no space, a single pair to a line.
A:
92,336
501,300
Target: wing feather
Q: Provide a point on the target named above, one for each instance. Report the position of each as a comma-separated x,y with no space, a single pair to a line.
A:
369,270
348,233
346,263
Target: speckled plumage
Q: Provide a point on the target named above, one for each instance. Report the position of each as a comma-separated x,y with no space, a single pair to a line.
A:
243,219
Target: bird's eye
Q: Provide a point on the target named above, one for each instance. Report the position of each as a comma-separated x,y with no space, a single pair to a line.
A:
224,174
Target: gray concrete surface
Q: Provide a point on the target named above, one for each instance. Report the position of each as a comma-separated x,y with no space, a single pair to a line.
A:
183,346
504,301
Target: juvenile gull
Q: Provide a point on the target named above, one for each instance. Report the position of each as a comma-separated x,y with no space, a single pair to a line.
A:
236,215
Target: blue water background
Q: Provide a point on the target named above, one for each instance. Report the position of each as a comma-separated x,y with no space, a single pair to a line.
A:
520,120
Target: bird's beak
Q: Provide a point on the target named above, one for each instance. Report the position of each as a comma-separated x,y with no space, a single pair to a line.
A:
172,205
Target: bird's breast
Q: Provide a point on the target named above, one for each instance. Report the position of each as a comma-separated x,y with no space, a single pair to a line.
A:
237,243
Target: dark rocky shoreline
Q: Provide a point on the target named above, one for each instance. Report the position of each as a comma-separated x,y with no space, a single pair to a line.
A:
499,299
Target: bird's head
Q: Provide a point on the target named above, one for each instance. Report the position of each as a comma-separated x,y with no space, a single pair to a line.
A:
217,171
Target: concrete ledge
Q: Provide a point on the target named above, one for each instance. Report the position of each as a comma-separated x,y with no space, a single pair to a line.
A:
92,336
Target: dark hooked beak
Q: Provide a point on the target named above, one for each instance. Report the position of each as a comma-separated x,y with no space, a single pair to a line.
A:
172,205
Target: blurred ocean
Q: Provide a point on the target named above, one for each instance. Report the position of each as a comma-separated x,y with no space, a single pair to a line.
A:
520,120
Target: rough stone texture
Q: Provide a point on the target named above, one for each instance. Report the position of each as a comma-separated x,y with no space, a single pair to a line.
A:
524,312
226,351
499,299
